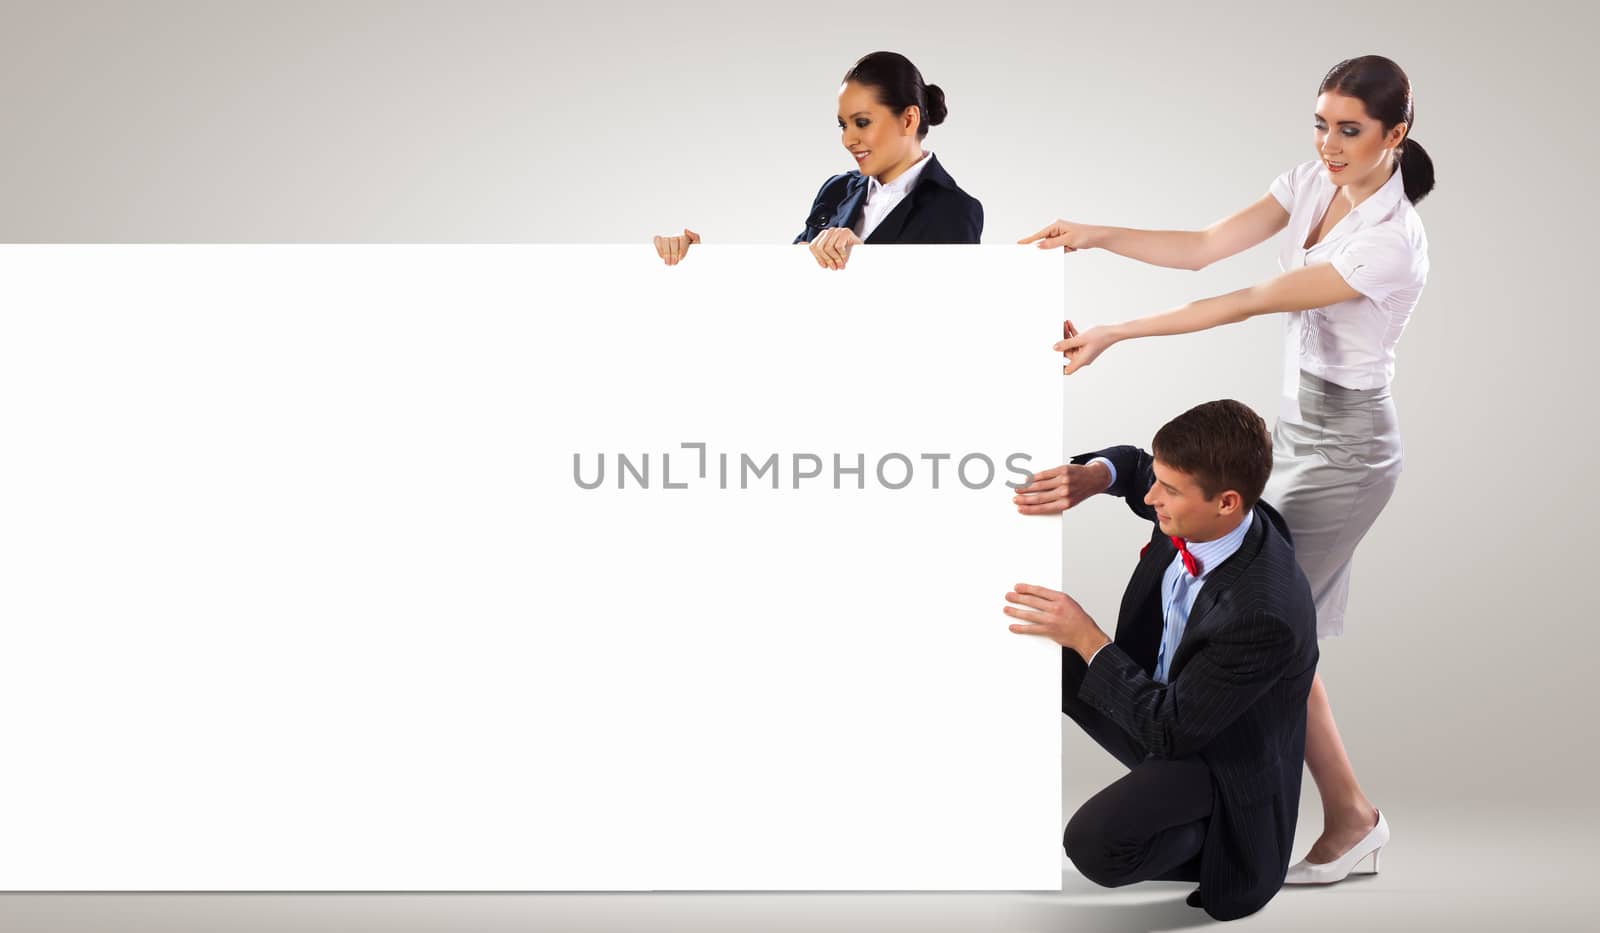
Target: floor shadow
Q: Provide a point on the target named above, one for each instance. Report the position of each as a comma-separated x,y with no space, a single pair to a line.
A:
1150,917
1139,908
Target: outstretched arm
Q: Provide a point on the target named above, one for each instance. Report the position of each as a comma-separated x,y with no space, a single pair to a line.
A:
1127,473
1239,663
1135,472
1313,286
1175,249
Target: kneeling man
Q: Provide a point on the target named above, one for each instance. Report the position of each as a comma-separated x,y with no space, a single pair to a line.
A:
1202,693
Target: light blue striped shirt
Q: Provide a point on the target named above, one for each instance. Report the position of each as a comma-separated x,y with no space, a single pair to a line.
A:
1179,590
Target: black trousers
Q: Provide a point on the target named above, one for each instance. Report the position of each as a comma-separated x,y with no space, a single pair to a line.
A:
1149,824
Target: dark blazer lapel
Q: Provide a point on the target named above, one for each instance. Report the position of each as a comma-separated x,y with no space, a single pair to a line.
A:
894,224
1141,602
854,200
1152,565
888,230
1219,581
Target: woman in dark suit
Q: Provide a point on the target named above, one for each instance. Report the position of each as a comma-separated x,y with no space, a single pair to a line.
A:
898,193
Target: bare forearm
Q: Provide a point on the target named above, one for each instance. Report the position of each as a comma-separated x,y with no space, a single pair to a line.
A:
1194,316
1309,287
1174,249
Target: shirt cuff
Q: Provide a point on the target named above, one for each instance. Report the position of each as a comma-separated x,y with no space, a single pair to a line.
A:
1095,654
1109,465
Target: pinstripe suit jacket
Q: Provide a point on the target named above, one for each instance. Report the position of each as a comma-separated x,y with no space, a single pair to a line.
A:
1235,696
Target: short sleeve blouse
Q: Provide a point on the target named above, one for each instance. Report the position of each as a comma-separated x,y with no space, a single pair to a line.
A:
1381,250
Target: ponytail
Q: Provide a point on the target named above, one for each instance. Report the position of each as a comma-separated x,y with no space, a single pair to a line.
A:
1417,168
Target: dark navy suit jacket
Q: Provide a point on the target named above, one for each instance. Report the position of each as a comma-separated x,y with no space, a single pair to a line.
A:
935,211
1235,696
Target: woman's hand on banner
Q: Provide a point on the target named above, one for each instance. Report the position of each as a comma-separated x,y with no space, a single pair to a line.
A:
672,249
1081,349
1065,234
831,247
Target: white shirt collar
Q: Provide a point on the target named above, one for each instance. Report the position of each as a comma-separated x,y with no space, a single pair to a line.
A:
1381,204
1212,553
904,182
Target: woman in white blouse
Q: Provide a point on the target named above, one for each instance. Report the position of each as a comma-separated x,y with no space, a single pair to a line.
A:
1354,262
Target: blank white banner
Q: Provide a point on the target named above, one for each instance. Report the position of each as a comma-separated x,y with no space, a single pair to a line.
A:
301,586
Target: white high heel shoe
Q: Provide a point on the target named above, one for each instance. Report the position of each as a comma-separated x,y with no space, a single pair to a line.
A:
1304,872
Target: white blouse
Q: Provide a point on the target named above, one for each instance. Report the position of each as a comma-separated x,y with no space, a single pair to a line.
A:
1381,251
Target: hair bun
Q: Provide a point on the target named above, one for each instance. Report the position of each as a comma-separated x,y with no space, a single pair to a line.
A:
937,110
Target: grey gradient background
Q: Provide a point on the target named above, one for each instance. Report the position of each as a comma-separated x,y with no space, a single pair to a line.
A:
1464,682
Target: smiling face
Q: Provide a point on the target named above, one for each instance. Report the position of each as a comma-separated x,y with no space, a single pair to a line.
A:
882,142
1353,146
1182,509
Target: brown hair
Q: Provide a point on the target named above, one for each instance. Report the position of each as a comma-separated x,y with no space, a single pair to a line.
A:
1383,88
899,85
1223,445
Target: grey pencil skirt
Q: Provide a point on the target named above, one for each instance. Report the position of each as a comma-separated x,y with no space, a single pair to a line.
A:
1332,473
